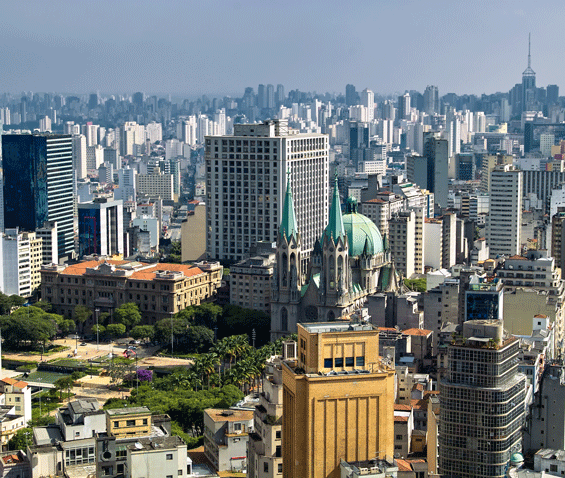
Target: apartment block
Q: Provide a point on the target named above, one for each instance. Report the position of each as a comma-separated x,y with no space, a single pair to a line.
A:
245,183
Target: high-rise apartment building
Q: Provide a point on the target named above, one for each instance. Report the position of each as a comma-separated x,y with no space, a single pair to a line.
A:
79,156
38,185
431,171
482,402
368,101
558,238
402,235
245,181
504,222
338,400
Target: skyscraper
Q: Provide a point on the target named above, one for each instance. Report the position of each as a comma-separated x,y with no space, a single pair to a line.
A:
38,185
351,95
529,84
245,180
431,100
368,101
338,400
481,402
404,106
504,222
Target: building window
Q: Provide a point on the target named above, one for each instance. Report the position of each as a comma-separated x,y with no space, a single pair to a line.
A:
279,467
399,437
360,361
169,456
328,363
116,424
237,426
145,421
349,361
278,434
180,472
266,467
130,423
339,362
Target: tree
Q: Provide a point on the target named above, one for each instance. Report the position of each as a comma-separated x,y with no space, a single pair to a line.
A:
98,328
128,315
82,314
186,315
143,332
28,327
67,326
43,305
115,330
197,339
64,383
21,440
418,285
163,330
206,314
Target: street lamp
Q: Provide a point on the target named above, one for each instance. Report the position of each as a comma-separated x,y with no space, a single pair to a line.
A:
172,333
97,312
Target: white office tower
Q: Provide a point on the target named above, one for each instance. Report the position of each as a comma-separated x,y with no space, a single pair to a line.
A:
246,176
454,133
5,116
187,130
480,122
220,120
368,101
357,113
79,156
94,157
44,124
546,142
132,136
203,128
154,132
173,148
126,190
16,263
504,222
91,132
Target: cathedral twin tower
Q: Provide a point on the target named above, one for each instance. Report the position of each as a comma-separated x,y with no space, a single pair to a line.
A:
349,262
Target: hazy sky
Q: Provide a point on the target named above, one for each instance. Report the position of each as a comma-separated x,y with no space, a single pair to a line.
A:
220,47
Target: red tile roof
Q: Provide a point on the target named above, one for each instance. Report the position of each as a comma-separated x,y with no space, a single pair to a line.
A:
402,407
148,271
416,332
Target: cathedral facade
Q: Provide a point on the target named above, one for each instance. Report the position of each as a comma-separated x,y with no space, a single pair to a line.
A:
349,262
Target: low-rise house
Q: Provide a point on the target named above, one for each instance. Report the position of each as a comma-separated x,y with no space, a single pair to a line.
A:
226,433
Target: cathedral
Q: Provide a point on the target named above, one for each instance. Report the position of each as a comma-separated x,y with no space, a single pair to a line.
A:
348,263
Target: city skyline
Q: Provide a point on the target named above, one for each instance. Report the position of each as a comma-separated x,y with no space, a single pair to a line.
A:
204,49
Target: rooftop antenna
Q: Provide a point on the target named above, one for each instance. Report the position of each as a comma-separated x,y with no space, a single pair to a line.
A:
529,50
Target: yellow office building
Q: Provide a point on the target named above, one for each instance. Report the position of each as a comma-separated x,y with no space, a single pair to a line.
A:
338,400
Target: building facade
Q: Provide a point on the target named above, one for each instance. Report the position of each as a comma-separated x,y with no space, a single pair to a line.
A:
482,403
100,227
245,180
159,290
504,222
38,185
338,400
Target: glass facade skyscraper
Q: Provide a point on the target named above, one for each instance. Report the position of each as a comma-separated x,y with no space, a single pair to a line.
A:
38,185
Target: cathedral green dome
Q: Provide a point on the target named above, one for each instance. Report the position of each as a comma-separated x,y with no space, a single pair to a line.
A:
360,230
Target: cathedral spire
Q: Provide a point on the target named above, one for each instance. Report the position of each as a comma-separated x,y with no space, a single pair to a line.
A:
335,227
289,226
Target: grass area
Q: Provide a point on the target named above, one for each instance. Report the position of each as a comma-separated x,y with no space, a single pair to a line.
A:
71,363
51,349
44,377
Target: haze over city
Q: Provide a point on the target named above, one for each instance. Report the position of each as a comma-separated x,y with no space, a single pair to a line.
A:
220,47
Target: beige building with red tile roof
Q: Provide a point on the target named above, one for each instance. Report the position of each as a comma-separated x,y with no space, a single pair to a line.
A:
158,289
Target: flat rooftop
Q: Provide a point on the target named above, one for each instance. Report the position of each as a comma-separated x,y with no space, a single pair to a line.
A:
327,327
128,411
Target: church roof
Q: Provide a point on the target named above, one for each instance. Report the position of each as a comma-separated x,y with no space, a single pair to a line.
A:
335,228
362,234
289,226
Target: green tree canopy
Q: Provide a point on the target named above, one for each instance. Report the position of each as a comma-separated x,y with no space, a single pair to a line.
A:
21,440
28,327
128,315
206,314
115,330
143,332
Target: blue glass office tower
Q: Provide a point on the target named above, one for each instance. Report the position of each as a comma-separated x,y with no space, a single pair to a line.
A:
38,185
